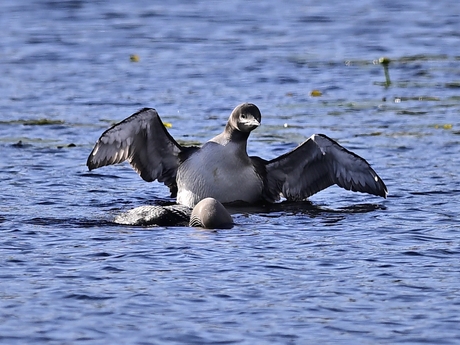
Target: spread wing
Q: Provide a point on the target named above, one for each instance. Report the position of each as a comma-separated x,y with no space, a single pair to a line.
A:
143,140
316,164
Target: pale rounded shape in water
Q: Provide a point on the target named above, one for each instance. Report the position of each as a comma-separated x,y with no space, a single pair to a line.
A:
209,213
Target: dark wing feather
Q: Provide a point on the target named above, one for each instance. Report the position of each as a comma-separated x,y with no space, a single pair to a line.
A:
316,164
143,140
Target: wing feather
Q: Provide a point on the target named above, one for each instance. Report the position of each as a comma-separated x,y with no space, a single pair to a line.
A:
316,164
143,140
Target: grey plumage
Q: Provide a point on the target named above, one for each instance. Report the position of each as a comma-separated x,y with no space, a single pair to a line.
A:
144,142
316,164
208,214
155,215
222,169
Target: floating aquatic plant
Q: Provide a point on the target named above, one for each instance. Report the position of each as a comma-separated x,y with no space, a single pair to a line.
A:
42,122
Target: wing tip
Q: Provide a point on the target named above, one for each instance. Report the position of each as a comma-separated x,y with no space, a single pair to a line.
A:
382,187
385,193
91,166
90,163
381,190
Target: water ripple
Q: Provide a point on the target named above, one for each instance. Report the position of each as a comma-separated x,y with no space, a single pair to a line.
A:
343,267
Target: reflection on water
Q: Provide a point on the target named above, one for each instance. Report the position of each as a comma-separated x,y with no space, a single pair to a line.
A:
344,267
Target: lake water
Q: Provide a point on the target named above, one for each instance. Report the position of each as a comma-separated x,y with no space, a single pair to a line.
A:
349,268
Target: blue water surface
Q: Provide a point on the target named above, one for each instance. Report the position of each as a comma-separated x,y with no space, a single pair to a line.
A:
346,268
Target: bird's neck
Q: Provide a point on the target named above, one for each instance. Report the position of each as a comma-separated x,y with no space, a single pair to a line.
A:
232,136
235,135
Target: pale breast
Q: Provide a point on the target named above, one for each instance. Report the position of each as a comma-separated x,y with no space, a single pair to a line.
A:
218,171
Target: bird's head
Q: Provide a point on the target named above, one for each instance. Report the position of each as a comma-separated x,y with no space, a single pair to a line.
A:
245,117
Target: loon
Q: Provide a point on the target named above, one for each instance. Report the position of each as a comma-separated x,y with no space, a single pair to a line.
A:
207,214
221,168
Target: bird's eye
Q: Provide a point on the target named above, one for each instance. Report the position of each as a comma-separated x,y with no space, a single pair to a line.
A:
243,116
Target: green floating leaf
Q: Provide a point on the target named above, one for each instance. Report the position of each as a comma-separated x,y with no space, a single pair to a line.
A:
408,112
444,126
384,60
316,93
453,85
43,122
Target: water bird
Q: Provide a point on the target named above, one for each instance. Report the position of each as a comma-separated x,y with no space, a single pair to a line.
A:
208,214
221,168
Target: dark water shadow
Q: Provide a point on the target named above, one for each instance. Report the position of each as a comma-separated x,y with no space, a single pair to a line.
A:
282,209
303,207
